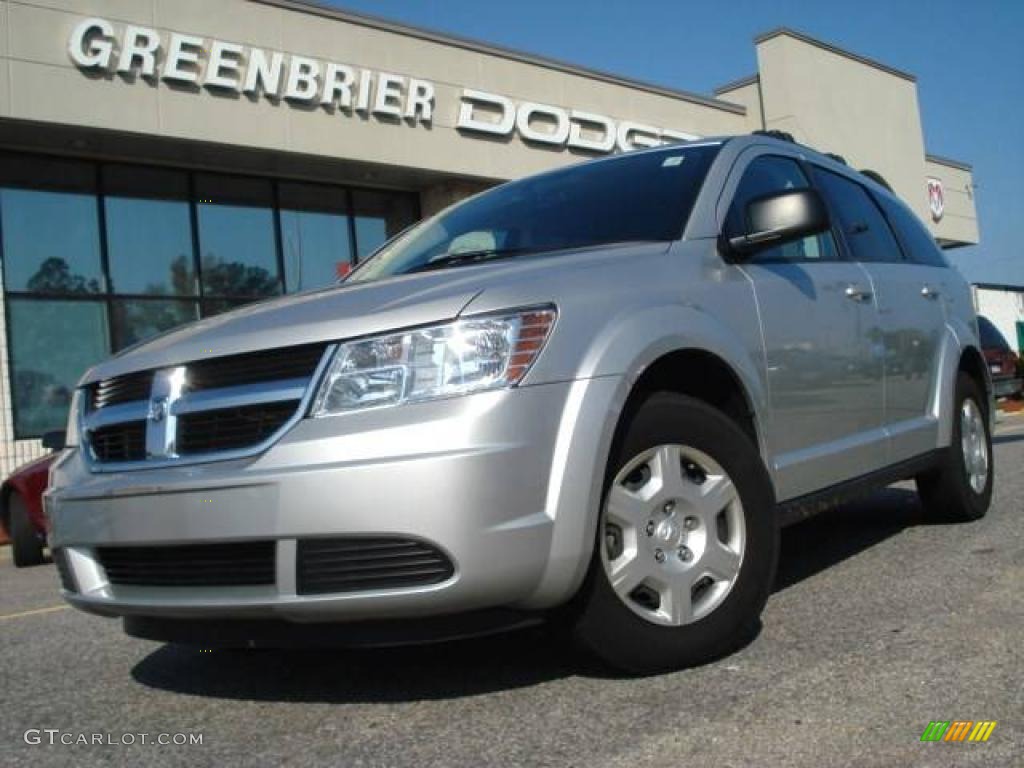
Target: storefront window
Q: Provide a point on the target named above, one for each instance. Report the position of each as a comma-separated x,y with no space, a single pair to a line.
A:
51,344
149,231
135,320
315,235
97,257
236,237
44,258
379,216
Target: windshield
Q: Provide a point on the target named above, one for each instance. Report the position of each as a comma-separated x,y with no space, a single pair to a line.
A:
641,197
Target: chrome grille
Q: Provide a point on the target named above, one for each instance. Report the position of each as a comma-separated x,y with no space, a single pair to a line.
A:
206,410
121,389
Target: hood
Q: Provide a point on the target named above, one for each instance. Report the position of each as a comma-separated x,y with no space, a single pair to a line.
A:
328,314
347,311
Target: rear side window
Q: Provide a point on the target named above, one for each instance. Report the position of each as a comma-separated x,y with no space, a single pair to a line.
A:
991,338
918,244
767,175
866,230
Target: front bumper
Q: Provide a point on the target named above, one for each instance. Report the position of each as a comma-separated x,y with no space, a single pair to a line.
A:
501,482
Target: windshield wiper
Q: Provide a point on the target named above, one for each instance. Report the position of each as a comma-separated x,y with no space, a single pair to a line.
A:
483,254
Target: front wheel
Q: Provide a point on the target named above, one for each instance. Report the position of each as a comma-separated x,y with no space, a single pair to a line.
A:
27,549
687,541
959,488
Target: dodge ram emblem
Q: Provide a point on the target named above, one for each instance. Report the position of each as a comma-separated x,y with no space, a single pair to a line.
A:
936,198
157,410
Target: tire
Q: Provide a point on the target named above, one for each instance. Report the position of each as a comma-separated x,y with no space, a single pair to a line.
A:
26,546
947,493
679,614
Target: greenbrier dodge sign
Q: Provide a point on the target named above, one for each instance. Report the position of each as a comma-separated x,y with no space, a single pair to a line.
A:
190,60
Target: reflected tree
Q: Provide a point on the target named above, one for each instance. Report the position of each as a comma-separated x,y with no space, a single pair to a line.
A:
232,278
55,276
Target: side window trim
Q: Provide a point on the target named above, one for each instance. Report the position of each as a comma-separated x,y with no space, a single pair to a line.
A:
904,258
739,171
843,250
898,236
902,236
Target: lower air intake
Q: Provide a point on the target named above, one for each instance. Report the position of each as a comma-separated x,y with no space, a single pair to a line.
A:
192,565
356,564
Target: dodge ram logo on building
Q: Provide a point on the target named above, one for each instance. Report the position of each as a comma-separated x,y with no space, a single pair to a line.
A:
936,198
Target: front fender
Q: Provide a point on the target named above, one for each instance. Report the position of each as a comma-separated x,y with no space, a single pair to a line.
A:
609,367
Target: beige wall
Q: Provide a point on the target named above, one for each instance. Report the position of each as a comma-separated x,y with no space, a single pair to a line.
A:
746,93
837,104
44,85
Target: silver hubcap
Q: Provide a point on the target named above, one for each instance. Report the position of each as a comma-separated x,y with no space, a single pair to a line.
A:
974,442
674,535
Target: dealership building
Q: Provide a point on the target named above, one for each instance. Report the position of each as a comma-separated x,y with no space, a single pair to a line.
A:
166,160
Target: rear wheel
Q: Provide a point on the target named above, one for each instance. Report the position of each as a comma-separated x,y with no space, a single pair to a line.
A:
26,547
959,489
687,541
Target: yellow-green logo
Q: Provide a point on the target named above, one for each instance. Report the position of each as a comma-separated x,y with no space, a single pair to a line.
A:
958,730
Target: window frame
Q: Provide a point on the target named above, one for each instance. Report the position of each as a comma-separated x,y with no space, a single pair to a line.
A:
901,239
847,247
841,254
200,299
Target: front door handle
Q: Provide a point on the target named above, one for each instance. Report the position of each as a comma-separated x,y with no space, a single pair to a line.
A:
856,293
929,293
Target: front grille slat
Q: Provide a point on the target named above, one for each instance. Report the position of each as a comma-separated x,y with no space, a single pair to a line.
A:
119,442
191,565
231,428
208,432
355,564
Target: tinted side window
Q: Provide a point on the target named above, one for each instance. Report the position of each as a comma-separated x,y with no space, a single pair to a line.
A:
767,175
917,242
866,230
991,338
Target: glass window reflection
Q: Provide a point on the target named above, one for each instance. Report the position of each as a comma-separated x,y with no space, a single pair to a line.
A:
237,237
149,231
139,319
52,343
379,216
51,242
315,235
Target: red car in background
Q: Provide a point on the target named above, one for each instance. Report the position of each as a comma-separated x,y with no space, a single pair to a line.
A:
1002,360
21,505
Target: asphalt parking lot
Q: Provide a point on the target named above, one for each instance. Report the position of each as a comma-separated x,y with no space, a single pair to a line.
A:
879,624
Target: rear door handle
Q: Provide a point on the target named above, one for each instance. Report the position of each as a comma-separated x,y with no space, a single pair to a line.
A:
857,293
929,293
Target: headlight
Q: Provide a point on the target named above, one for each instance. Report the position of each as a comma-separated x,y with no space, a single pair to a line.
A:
74,414
470,355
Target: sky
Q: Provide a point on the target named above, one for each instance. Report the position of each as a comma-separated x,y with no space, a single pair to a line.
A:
968,58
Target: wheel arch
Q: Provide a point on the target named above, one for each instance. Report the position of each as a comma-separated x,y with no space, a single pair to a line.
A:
961,353
703,375
655,344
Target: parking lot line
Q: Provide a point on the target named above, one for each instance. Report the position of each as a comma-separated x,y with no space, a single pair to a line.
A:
34,612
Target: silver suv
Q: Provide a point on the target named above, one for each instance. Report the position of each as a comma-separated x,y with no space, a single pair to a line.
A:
591,395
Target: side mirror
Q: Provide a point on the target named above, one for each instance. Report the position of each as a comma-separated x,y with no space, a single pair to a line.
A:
778,219
55,441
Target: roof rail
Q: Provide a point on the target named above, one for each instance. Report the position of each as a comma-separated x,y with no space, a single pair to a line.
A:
774,134
833,156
